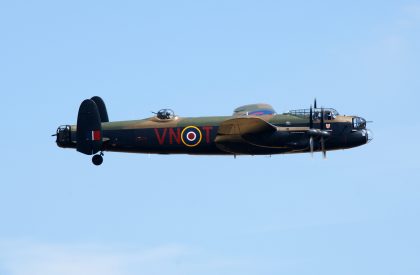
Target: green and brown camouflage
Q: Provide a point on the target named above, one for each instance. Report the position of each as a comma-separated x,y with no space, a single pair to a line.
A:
252,130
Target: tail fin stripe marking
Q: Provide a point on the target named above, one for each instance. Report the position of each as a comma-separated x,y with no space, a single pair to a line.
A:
96,135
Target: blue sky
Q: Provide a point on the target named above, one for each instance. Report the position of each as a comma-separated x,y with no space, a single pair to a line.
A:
355,213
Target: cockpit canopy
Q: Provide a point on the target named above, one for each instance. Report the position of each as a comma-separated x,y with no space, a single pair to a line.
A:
165,114
329,113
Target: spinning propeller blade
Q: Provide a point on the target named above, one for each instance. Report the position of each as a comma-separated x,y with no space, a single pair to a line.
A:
320,133
311,145
311,118
324,152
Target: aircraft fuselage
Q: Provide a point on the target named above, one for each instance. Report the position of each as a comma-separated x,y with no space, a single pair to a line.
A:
197,136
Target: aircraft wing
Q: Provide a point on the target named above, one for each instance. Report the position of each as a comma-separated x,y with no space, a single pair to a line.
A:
233,131
253,135
245,125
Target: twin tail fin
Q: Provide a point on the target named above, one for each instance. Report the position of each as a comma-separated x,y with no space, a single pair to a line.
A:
92,113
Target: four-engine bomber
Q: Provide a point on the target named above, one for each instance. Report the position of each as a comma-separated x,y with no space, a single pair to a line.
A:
252,130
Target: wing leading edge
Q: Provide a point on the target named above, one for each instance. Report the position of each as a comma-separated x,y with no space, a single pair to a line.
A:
232,134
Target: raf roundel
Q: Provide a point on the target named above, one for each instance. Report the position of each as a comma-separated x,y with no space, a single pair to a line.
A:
191,136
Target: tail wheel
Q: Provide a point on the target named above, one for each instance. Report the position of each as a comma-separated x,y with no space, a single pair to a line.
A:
97,160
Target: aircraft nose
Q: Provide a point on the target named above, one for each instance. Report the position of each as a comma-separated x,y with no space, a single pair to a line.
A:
357,138
367,134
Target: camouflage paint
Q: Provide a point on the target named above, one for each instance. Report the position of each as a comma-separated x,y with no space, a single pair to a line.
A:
155,136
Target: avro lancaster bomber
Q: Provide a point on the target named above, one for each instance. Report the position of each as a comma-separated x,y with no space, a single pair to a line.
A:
254,129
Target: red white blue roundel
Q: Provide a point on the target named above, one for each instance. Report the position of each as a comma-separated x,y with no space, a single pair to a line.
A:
191,136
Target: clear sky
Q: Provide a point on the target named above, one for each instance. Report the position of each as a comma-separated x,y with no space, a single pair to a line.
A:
355,213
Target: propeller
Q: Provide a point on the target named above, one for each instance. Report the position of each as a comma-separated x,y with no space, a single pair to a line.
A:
323,132
311,126
319,133
311,118
311,145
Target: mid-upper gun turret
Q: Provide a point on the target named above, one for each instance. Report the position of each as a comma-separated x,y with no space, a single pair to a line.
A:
165,114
